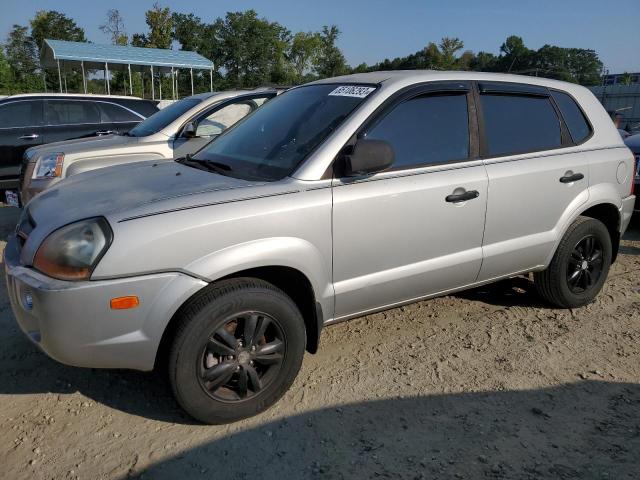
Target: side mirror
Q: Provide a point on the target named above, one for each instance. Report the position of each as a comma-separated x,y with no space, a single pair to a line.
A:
189,130
369,156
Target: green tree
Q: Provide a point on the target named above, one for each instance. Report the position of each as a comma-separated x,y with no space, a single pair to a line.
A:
21,55
515,56
251,49
304,48
160,24
139,40
6,77
330,61
114,27
50,24
448,49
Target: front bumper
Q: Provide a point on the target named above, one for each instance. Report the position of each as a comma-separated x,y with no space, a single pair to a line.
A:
73,323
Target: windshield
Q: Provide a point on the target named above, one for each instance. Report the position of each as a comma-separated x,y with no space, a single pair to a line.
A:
271,142
164,117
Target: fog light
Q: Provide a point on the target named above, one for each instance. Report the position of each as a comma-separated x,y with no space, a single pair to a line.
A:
28,301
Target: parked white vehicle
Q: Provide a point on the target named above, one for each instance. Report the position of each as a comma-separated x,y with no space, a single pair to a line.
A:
179,129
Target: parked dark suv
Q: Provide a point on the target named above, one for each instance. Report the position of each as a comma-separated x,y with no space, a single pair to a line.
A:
34,119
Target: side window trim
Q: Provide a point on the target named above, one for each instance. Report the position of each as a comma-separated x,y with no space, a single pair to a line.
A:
37,125
586,117
463,88
524,92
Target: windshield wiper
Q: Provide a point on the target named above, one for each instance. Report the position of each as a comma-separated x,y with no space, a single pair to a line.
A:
211,166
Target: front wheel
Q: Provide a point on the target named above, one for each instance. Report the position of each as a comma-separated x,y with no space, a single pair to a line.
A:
579,267
237,349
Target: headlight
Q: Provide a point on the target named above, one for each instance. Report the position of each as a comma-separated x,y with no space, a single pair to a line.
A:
49,166
72,252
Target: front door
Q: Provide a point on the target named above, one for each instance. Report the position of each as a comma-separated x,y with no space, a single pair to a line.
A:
20,128
401,234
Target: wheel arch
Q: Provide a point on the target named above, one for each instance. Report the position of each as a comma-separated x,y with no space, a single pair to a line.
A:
608,214
291,281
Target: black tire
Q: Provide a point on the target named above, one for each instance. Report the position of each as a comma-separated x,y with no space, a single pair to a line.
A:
202,335
569,282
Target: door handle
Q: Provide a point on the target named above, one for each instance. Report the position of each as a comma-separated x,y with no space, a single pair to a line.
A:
31,136
571,178
104,132
462,197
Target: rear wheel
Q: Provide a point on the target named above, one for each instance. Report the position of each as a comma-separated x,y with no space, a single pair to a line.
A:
237,349
579,267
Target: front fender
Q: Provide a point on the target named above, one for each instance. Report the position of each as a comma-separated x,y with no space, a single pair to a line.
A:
289,252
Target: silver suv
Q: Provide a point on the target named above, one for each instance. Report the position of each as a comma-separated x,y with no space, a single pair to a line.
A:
336,199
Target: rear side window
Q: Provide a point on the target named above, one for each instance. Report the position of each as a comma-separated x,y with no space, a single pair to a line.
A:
115,113
21,114
65,112
426,130
573,116
519,124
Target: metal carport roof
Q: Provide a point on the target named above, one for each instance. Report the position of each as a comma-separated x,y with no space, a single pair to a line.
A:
95,55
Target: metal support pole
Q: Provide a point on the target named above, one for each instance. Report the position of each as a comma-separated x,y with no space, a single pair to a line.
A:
173,85
65,83
211,78
142,81
192,81
106,74
153,87
59,76
130,81
160,82
84,78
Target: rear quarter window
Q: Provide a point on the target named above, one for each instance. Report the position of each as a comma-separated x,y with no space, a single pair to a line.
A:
573,116
519,124
115,113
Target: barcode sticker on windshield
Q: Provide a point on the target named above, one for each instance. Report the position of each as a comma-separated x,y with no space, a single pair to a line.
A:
352,91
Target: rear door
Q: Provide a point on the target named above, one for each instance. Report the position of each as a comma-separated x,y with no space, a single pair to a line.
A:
533,179
400,234
20,128
215,120
66,119
118,119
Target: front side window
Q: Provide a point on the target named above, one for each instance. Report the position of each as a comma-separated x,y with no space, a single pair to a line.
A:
21,114
218,121
519,124
270,143
573,116
426,130
66,112
164,117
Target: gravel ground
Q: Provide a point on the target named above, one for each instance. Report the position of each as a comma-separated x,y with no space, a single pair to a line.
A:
490,383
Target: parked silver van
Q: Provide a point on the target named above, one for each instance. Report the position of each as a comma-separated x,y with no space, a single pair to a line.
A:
336,199
179,129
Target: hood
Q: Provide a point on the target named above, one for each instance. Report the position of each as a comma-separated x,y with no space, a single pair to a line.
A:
131,190
89,144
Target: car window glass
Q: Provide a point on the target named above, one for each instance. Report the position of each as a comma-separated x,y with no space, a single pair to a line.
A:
20,114
221,119
164,117
517,124
426,130
65,112
573,116
115,113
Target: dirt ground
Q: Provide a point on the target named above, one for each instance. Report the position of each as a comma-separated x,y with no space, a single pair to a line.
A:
490,383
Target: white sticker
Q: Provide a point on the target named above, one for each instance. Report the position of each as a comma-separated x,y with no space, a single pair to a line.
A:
352,91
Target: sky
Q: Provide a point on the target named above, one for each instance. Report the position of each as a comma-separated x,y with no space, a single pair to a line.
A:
373,30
